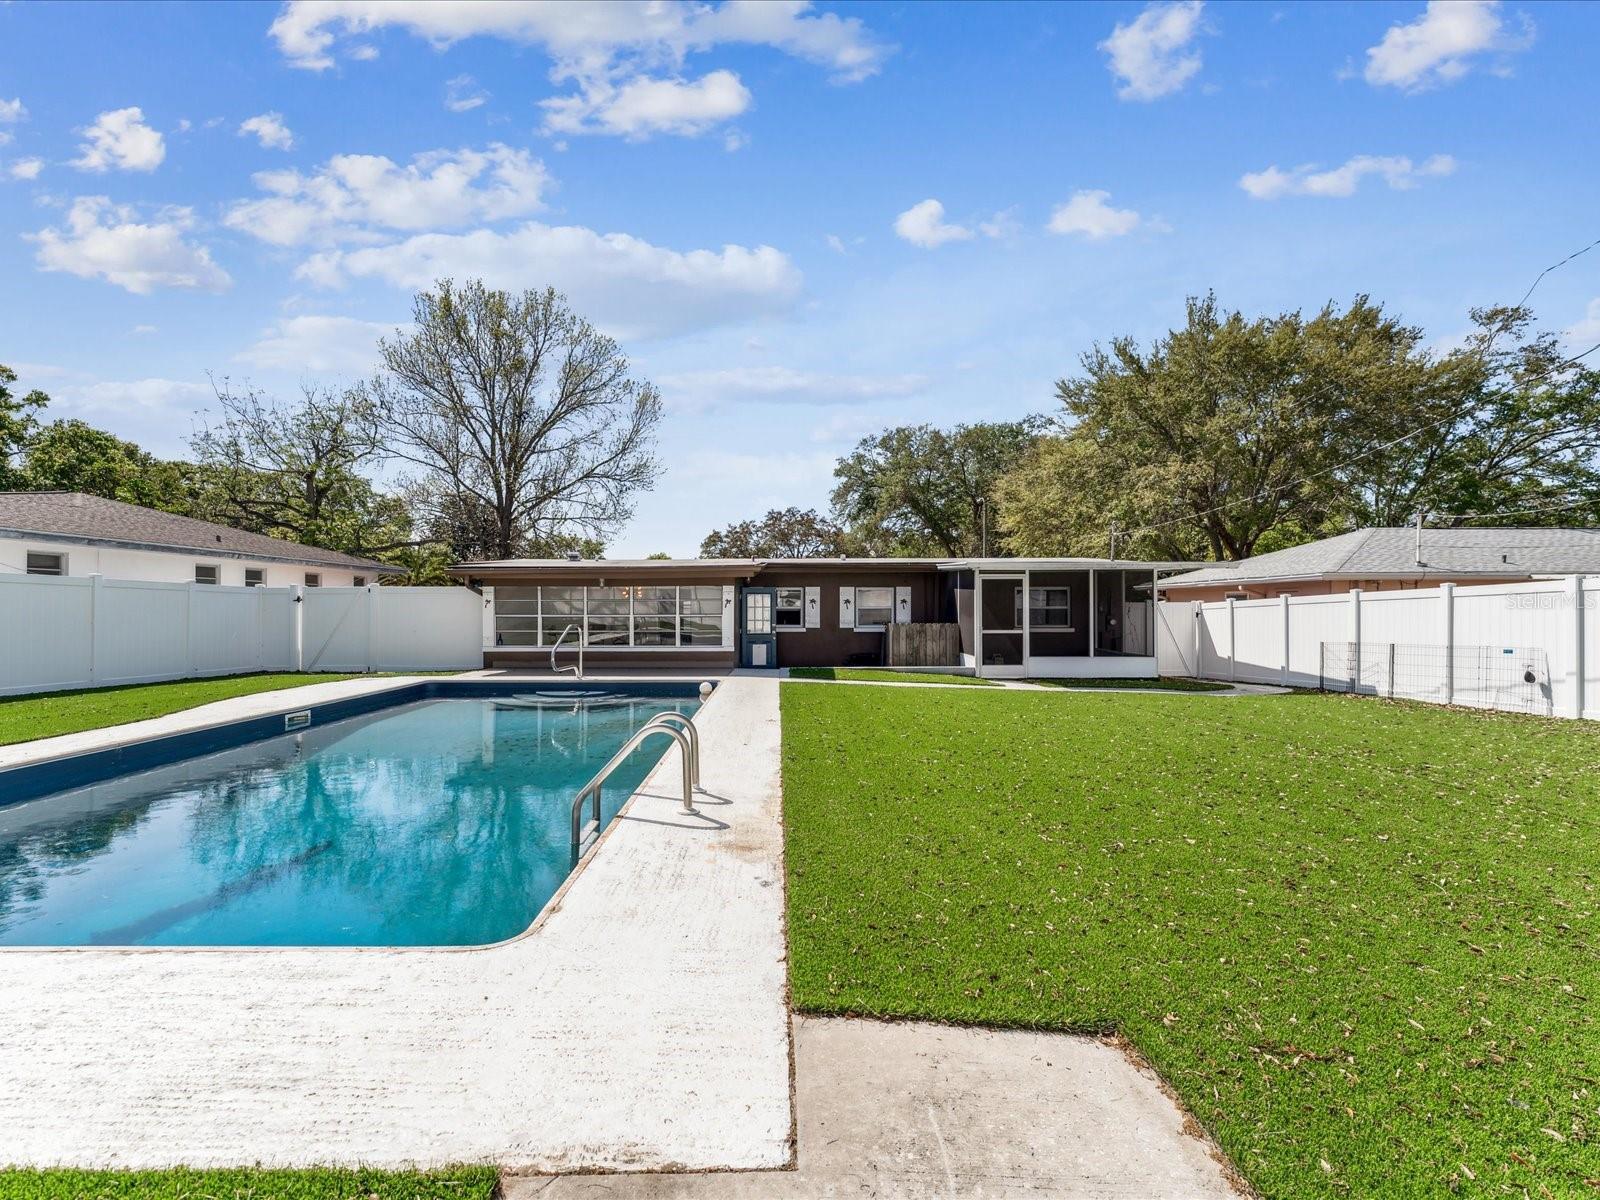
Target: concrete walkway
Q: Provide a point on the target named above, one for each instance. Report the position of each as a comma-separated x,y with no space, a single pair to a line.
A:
641,1025
915,1110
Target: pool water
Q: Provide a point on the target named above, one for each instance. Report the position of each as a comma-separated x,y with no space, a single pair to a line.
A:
440,822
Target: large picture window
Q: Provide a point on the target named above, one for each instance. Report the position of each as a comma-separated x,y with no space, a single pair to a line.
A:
647,615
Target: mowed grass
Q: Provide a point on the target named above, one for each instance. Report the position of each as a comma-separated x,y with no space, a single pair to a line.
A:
24,718
875,675
1359,938
460,1183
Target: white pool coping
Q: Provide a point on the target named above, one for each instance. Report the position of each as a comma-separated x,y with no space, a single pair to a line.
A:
641,1025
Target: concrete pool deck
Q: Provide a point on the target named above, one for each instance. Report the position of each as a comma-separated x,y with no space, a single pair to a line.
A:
642,1024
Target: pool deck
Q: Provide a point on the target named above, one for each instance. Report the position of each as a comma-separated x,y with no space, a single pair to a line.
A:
642,1024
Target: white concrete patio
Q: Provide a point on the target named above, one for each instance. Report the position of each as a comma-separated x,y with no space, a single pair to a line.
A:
641,1025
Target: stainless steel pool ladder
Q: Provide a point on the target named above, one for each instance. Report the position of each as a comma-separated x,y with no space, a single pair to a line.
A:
672,724
577,671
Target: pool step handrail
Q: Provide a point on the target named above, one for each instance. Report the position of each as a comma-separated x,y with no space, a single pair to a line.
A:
591,790
686,723
577,671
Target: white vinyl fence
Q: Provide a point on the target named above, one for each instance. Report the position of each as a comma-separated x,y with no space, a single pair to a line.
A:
1527,647
68,632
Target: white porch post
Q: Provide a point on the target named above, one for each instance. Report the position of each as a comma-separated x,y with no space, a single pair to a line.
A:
1027,624
1094,614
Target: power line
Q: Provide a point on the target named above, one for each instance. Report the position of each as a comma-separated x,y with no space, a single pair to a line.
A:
1521,512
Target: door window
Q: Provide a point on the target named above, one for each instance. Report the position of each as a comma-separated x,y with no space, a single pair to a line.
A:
757,612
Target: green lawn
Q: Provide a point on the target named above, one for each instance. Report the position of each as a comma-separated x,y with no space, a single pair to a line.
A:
1359,938
23,718
460,1183
1167,683
877,675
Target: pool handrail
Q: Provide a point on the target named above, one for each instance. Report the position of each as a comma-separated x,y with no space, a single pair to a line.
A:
577,671
686,723
591,790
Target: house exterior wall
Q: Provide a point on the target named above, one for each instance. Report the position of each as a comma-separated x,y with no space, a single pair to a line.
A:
1272,589
115,562
828,643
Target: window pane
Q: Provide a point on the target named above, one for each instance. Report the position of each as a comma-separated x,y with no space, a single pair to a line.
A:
1049,607
874,606
608,630
655,630
699,632
205,574
254,577
701,601
516,637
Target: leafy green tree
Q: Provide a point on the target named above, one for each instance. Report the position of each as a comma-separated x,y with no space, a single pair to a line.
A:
18,421
782,533
917,490
423,566
72,456
522,410
1232,436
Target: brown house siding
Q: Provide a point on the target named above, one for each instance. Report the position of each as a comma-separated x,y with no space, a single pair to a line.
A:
830,646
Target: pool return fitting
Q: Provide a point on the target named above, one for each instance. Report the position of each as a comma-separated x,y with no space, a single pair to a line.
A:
675,725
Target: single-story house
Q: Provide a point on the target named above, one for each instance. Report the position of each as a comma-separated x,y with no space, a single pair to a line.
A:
1001,617
71,533
1390,559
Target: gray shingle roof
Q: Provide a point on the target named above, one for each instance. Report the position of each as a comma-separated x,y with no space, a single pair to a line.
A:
1392,552
77,517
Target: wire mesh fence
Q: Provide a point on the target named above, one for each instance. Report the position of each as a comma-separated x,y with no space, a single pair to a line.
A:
1509,678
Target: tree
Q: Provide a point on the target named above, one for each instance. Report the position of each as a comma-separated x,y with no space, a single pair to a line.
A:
782,533
295,470
1511,427
71,456
17,424
917,490
1232,436
517,407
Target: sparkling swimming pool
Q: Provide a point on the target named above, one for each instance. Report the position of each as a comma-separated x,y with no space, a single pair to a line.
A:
440,821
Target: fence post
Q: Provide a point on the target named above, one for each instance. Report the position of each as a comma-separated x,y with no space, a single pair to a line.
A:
372,627
297,625
1447,597
96,628
1233,657
188,628
1355,640
1197,611
1322,666
1284,677
1575,591
1391,670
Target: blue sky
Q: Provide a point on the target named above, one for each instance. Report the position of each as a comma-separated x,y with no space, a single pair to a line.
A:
805,223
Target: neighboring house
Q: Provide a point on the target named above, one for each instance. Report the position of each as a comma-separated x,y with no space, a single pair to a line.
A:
70,533
1388,559
1005,617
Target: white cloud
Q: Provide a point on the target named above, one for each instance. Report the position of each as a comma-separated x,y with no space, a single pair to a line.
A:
759,477
122,140
142,330
12,111
1584,332
1151,55
156,413
1440,45
318,343
268,129
923,224
1003,224
643,106
108,241
625,285
659,30
352,195
700,390
462,94
1088,214
25,168
1399,172
625,56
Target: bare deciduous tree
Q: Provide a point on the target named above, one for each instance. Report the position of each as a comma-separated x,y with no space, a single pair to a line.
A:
517,405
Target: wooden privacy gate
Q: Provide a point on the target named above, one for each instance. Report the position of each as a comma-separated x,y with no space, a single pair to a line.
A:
925,645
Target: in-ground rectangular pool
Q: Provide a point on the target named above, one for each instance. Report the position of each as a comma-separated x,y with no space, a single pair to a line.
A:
435,815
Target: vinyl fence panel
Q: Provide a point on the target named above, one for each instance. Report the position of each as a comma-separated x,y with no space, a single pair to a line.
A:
73,632
1527,647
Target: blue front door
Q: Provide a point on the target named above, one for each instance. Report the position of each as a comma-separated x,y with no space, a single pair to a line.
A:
758,635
